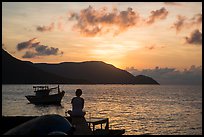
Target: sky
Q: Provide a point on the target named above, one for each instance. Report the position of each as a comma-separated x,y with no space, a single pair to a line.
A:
128,35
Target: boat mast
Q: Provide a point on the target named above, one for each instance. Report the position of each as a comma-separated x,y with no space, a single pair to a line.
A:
58,89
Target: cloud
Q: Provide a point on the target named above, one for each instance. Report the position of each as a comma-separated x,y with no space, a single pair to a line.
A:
36,49
184,22
157,15
154,46
29,54
180,23
172,4
191,76
151,47
197,19
41,50
92,22
46,28
195,38
24,45
45,50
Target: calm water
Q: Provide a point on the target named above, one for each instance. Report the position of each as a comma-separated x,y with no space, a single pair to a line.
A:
140,109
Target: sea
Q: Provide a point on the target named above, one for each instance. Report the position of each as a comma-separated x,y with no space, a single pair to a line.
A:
139,109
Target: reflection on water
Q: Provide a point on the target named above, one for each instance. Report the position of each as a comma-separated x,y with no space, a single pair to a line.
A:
49,109
139,109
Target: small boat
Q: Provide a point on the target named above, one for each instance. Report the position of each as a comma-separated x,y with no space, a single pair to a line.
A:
42,95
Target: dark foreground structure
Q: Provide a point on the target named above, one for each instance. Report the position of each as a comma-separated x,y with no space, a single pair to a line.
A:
54,124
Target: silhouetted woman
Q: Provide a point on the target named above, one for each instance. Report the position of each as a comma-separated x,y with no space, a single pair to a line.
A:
77,105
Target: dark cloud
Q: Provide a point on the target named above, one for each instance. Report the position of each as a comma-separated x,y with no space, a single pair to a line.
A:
91,22
25,45
45,50
45,28
29,54
36,49
41,50
191,76
184,22
195,38
157,15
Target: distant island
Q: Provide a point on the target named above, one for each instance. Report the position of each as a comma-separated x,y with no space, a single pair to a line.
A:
15,71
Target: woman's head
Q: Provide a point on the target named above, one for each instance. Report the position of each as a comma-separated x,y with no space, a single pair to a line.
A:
78,92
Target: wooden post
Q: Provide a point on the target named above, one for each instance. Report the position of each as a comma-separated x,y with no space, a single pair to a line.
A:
107,125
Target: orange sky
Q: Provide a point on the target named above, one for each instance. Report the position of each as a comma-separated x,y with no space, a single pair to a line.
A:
142,35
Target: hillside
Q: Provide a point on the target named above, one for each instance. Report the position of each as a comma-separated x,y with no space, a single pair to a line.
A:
97,72
141,79
15,71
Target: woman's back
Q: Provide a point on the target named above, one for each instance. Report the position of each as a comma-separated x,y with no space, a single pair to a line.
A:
77,103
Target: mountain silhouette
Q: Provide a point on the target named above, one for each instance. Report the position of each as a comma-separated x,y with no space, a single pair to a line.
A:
15,71
141,79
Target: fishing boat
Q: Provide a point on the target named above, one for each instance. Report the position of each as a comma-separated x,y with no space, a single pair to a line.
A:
43,96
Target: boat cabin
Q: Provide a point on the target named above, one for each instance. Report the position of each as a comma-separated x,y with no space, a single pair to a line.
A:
41,90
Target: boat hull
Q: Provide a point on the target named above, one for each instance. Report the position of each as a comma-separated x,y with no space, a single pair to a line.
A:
49,99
